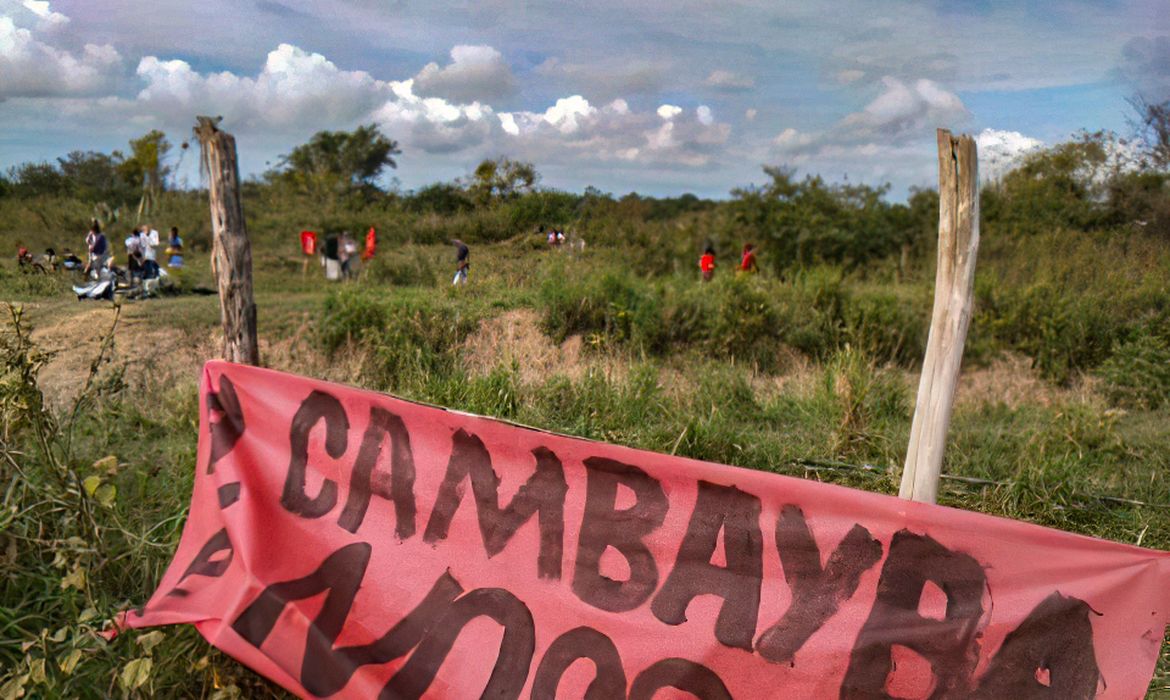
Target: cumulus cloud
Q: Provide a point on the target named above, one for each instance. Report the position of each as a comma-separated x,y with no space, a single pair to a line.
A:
31,66
576,129
434,125
1145,64
295,88
1000,151
904,108
727,81
901,112
474,73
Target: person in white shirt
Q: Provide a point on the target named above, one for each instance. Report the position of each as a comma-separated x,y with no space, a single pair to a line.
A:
149,242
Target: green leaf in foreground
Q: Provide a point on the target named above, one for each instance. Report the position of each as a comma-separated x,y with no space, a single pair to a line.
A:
136,673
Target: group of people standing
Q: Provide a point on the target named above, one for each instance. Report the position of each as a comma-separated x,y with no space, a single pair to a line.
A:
141,252
747,262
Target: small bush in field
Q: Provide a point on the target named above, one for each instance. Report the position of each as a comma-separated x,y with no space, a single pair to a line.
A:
406,267
1138,374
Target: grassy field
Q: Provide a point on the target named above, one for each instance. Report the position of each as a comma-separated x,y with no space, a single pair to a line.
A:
1060,419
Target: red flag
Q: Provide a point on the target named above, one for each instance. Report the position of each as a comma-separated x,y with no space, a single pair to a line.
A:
371,244
309,242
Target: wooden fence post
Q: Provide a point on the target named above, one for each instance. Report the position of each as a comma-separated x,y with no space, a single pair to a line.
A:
958,242
231,253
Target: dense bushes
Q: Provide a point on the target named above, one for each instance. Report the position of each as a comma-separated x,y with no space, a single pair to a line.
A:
406,336
1138,373
747,319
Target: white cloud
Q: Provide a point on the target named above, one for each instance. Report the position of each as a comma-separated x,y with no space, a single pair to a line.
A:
750,114
33,67
1000,151
903,108
575,130
474,73
295,89
728,81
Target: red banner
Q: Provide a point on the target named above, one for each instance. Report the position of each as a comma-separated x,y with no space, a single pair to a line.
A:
371,244
349,544
309,242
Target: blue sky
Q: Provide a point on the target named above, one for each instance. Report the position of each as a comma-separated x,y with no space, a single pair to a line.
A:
654,96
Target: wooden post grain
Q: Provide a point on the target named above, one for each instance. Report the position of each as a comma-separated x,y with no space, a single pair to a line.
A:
958,242
231,253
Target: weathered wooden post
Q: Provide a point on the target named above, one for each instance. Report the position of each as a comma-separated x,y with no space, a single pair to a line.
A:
231,253
958,242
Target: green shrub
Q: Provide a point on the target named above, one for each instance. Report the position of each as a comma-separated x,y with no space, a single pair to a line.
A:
1138,373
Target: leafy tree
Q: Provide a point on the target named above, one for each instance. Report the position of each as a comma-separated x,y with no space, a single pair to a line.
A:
340,161
37,179
440,198
501,179
1153,129
96,177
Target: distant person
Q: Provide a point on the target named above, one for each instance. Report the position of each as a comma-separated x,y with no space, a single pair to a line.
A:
331,257
134,255
69,261
149,243
707,264
560,237
748,264
349,256
174,249
552,238
98,249
462,262
50,260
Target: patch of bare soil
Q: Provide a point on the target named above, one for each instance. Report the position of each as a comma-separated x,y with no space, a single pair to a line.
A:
515,337
1011,380
163,355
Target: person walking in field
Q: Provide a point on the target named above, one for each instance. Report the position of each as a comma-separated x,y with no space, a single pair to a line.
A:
707,264
748,264
462,262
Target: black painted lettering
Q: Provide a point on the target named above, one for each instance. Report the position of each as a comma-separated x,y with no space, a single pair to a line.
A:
316,407
543,495
226,431
737,514
604,526
513,660
1056,641
581,643
341,574
688,676
364,481
817,592
949,644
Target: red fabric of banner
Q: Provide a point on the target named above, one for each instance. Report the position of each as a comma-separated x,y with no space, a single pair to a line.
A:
349,544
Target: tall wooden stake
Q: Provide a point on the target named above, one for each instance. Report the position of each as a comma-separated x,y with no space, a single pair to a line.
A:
231,253
958,242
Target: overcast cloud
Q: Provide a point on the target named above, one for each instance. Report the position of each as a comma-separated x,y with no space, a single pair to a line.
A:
660,97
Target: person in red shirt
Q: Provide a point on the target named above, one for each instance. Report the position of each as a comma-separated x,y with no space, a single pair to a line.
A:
707,264
748,264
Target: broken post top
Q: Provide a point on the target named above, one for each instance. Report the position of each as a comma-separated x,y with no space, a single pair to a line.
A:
206,128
